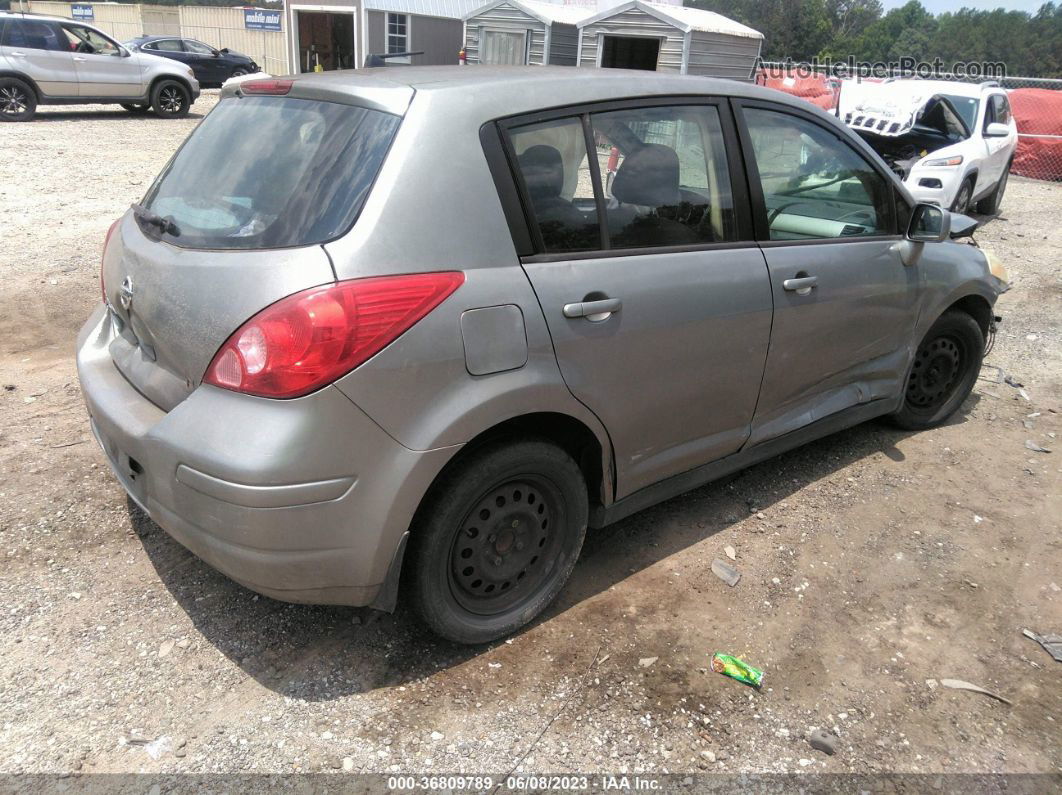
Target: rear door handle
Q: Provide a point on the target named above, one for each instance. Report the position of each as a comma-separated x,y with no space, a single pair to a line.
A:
594,311
78,59
801,285
19,54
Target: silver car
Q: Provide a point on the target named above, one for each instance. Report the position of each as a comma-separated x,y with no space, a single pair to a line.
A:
427,325
55,61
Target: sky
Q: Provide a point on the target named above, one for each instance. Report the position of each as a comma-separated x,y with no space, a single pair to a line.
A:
939,6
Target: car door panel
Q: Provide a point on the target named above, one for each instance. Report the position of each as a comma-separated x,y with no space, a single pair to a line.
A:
843,343
108,73
665,346
674,375
845,305
37,49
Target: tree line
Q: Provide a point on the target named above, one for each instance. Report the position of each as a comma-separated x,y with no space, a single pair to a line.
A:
1029,44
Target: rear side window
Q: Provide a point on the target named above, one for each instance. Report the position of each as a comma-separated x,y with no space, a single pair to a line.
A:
661,174
667,178
560,190
271,172
33,35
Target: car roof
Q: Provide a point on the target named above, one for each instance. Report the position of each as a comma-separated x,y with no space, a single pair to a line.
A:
500,91
33,17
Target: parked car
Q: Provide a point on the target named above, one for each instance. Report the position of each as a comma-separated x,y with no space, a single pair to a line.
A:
55,61
329,379
212,67
952,143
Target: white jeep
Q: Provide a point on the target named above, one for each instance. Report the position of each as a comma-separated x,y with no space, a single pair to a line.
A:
951,143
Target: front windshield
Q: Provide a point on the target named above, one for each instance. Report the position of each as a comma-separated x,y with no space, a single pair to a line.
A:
966,107
271,172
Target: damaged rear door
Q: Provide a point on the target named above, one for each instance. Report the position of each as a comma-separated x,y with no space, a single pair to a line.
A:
844,303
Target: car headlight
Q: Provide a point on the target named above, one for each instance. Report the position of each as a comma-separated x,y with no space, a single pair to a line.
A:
995,267
954,160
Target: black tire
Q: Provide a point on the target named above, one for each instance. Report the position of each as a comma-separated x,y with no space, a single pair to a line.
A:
170,100
18,102
989,205
943,373
135,108
962,198
238,73
496,540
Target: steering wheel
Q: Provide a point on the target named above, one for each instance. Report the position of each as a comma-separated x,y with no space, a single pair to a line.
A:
778,211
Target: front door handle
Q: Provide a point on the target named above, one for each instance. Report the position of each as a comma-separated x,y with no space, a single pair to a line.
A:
594,311
79,59
801,285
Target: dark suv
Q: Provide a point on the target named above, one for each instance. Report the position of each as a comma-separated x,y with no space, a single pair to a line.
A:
212,67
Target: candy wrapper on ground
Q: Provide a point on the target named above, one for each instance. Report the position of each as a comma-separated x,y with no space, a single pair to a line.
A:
736,669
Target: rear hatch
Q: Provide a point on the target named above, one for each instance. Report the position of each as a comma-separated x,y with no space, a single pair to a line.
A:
236,221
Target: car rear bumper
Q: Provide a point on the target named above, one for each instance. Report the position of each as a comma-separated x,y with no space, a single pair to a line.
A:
302,500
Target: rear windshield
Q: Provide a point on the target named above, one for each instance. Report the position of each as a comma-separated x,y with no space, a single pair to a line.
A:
271,172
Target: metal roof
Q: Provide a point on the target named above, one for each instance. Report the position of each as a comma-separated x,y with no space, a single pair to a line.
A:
452,9
542,11
685,19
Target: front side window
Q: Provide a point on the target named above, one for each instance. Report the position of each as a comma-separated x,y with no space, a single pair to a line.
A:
397,33
301,181
558,184
666,176
32,35
87,41
197,47
814,184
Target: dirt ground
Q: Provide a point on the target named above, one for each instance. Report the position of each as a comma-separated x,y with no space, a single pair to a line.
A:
874,564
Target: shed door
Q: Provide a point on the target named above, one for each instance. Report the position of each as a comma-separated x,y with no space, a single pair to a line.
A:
504,47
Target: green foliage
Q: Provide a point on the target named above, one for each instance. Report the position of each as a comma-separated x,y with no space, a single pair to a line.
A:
1029,44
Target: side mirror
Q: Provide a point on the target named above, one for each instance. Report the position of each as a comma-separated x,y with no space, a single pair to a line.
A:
225,50
997,130
961,226
929,224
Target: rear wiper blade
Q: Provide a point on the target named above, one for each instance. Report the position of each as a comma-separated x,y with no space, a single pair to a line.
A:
165,225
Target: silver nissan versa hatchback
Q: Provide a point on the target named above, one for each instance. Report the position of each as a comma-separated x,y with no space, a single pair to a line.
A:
427,325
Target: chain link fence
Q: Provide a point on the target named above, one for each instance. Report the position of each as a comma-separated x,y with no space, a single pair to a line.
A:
1036,103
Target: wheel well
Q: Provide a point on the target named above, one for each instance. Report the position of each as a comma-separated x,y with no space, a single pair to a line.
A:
977,308
174,78
29,82
566,432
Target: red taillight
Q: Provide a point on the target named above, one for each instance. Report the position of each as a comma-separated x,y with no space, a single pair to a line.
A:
274,87
103,256
309,339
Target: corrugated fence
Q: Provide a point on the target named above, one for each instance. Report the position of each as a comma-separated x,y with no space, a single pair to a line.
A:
214,25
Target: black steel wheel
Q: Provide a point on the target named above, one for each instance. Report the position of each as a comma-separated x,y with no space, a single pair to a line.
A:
171,100
17,100
943,372
496,540
505,544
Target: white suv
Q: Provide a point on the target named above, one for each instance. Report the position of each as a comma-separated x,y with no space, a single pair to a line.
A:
951,143
55,61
